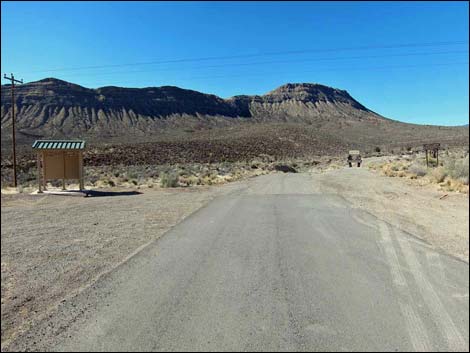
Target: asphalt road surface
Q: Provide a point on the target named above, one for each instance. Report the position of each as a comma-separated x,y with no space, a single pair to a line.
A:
277,266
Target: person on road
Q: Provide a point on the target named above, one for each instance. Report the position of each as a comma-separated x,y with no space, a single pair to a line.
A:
350,160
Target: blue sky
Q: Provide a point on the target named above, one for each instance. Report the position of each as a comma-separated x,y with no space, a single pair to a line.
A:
406,61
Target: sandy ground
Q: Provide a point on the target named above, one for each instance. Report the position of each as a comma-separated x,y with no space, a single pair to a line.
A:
422,210
54,246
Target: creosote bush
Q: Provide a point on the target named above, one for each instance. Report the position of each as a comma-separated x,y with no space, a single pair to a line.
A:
458,169
169,180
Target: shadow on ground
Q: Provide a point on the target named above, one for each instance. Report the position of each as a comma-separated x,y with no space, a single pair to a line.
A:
94,193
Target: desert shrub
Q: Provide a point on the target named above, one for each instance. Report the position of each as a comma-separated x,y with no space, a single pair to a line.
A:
31,176
463,180
438,174
417,169
455,185
92,178
387,170
169,180
377,149
432,162
111,183
207,180
56,183
189,180
458,169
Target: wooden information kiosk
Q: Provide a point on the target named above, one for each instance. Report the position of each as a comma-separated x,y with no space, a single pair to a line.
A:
59,159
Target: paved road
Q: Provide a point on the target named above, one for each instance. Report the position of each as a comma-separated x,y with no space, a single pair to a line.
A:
277,266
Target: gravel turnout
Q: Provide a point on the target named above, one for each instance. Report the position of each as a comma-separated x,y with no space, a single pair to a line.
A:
426,210
53,246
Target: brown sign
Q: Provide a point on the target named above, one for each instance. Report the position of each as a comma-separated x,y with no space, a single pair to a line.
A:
61,164
432,146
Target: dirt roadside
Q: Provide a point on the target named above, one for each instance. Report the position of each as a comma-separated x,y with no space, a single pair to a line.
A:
437,217
55,246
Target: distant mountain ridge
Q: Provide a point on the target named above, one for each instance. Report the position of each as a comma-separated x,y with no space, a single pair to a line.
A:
52,108
55,107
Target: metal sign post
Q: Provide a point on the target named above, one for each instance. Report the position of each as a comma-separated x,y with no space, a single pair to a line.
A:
354,155
434,148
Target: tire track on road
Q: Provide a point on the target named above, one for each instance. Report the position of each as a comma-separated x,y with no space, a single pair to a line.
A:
415,326
454,338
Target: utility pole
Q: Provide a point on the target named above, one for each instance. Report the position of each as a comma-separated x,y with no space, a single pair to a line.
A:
12,79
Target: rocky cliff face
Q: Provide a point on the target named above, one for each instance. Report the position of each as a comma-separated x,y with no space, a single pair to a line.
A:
55,108
307,102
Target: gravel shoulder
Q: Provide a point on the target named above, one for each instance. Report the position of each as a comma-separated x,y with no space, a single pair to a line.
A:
437,217
55,246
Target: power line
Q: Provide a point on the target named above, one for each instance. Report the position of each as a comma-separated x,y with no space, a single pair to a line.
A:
272,62
341,69
337,58
291,52
449,64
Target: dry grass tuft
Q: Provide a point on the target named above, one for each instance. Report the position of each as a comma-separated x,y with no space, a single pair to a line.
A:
438,174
